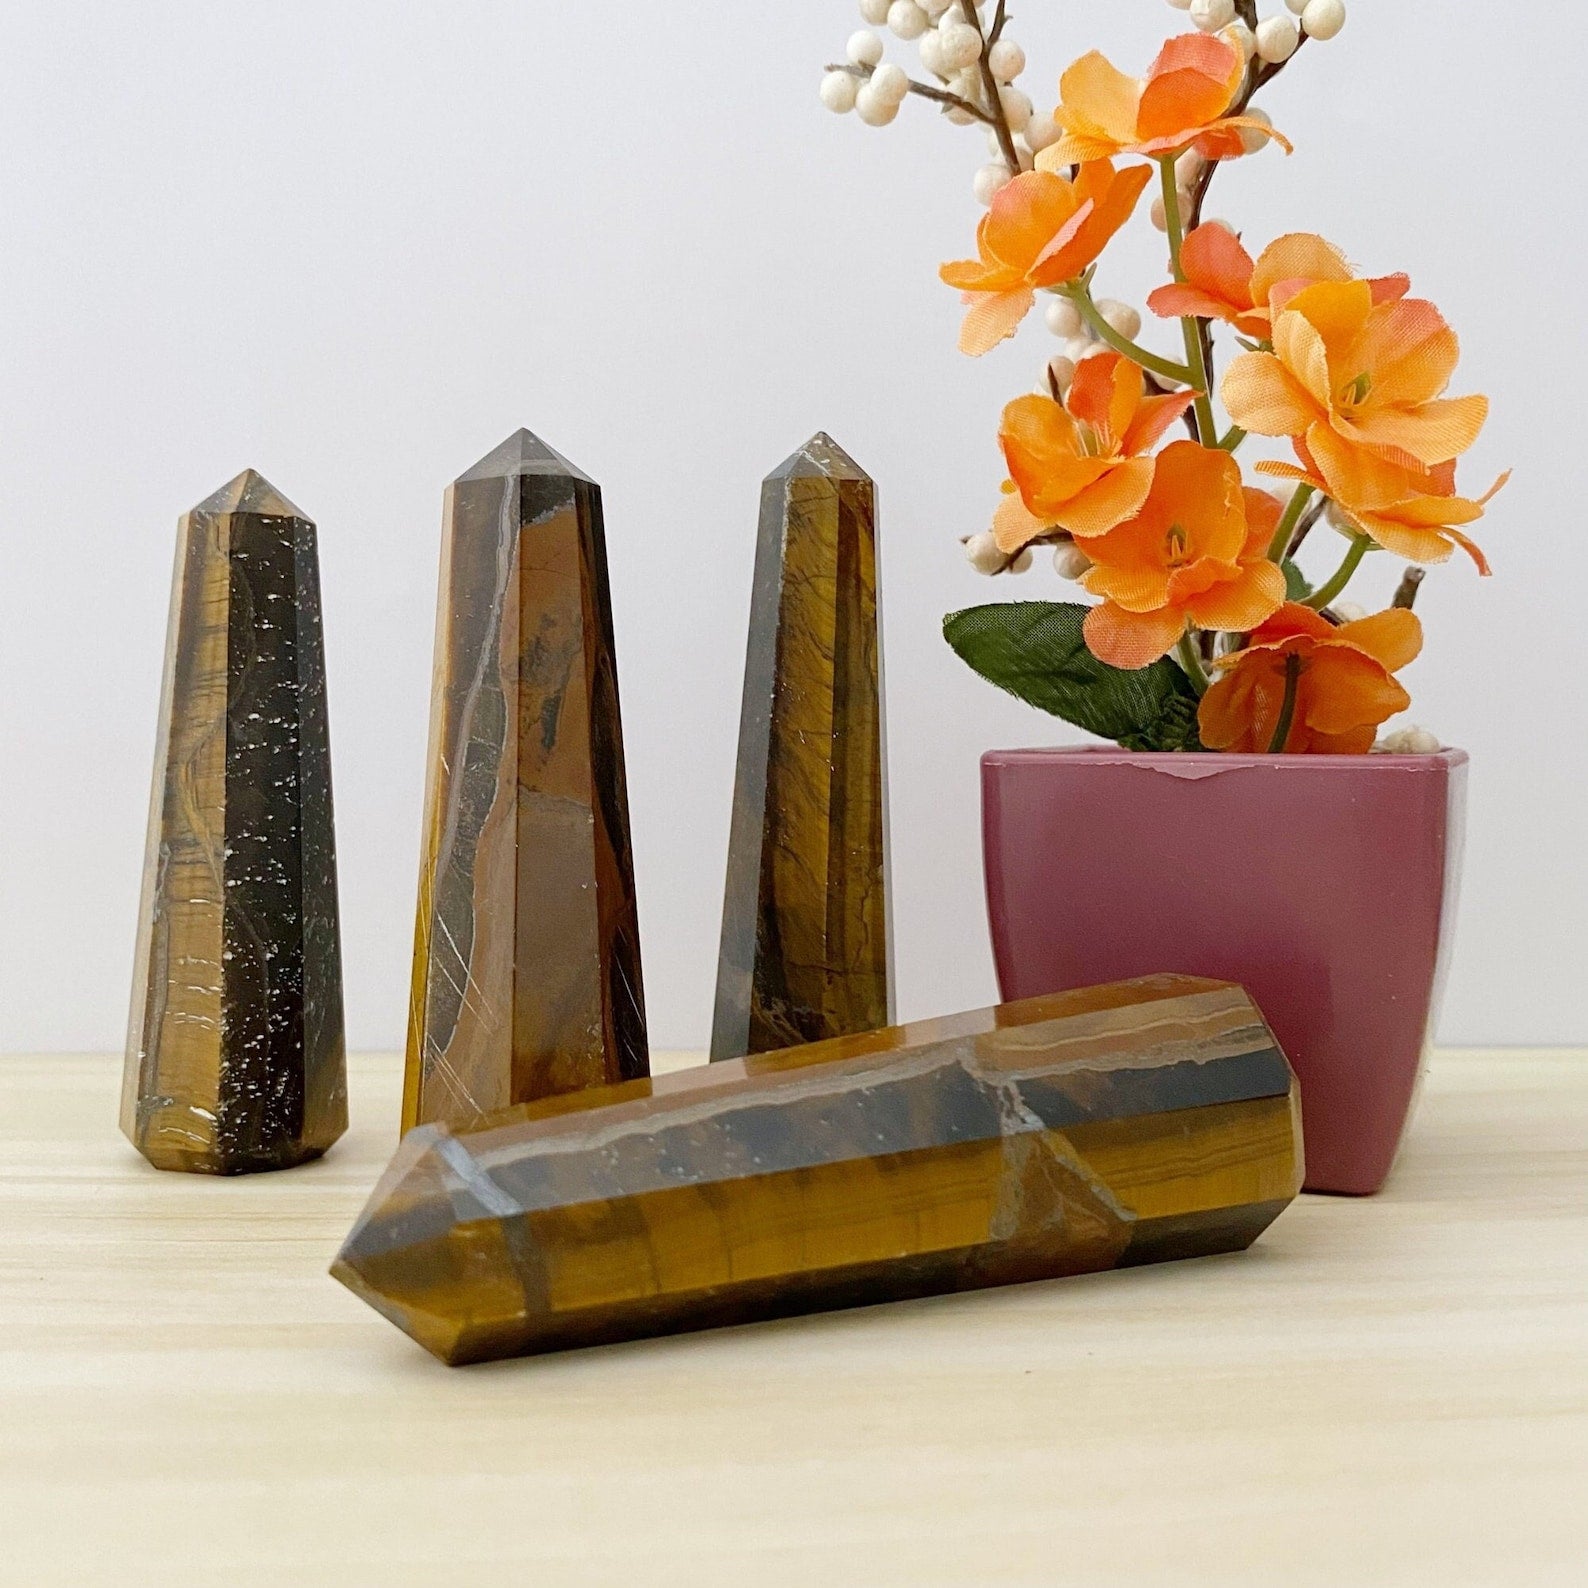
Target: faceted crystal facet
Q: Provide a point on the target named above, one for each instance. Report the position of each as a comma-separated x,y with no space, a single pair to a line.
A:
805,950
526,977
235,1056
1089,1130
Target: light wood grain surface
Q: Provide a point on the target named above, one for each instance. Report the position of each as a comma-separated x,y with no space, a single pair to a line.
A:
1393,1391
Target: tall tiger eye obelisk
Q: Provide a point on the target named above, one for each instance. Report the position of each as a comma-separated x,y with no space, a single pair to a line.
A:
235,1051
806,951
526,976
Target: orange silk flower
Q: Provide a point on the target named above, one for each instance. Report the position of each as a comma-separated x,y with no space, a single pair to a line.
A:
1078,466
1343,684
1373,373
1181,104
1041,230
1223,282
1410,512
1197,552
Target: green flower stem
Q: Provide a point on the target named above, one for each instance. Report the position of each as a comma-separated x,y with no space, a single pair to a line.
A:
1321,597
1080,295
1191,327
1233,437
1191,660
1287,712
1279,546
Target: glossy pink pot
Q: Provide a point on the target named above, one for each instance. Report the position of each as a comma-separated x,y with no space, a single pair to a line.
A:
1325,885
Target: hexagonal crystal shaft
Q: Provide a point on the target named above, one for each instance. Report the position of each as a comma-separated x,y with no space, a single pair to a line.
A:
526,976
1085,1131
235,1055
806,953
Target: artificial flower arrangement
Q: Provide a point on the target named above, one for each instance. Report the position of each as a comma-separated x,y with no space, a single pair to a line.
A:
1205,634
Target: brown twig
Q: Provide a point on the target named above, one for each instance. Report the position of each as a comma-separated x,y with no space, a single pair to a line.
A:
939,96
1306,523
995,104
1411,583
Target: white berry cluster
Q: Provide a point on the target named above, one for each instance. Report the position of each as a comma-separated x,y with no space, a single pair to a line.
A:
1410,740
950,37
1275,38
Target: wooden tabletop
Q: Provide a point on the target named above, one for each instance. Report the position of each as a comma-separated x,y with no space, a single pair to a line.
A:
1389,1391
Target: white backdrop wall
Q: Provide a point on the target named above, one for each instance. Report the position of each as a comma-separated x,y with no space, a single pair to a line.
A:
354,243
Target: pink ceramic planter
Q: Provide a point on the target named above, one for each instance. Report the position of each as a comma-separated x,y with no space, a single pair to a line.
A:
1325,885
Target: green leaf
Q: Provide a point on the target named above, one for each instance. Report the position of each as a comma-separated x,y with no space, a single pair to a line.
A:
1035,651
1296,586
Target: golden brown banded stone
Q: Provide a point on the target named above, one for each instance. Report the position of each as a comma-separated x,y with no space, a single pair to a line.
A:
235,1055
806,953
526,975
1089,1130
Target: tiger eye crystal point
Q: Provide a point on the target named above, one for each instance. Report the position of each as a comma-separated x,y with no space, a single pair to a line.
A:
235,1055
1090,1130
526,975
805,951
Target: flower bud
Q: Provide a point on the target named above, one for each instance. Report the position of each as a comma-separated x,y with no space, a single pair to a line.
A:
1069,561
1277,38
982,553
875,109
1063,318
838,91
864,48
1212,15
961,45
1060,372
1120,317
1410,740
990,180
1016,107
1007,60
1323,19
890,82
1042,130
1253,138
906,19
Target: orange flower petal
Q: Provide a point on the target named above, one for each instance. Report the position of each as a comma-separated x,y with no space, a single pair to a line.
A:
1106,504
1025,217
1214,258
1137,587
1153,418
1333,313
1243,603
1131,640
1263,397
1410,350
1296,257
1015,526
993,317
1393,638
1430,433
1112,199
1415,543
1180,298
1097,106
1347,688
1091,394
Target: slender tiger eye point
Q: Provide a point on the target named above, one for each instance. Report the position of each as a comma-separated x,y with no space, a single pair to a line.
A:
235,1055
526,976
806,953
